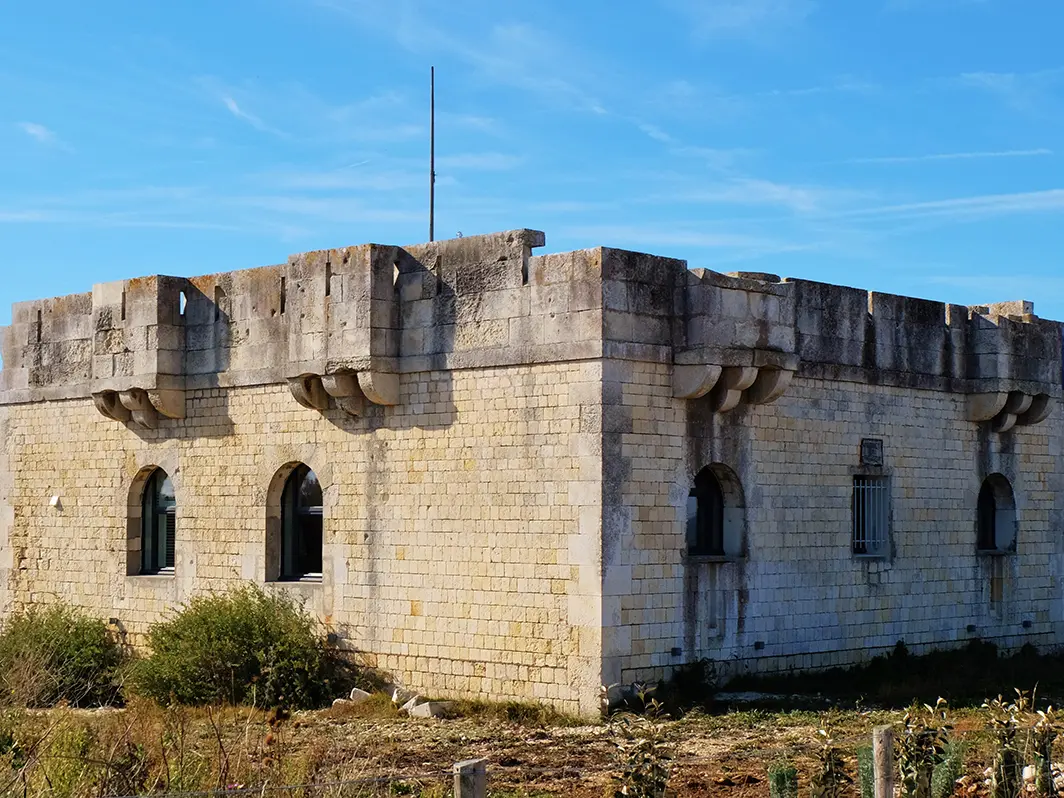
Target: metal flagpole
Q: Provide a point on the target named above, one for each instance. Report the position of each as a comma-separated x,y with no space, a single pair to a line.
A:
432,151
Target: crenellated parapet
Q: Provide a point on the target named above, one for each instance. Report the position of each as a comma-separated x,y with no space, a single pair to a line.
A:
746,334
340,326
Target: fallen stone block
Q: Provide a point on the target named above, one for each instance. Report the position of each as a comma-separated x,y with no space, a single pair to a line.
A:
411,704
358,696
430,709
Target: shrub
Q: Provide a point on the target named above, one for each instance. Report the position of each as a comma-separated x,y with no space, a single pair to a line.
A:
645,757
922,748
830,779
244,646
58,653
782,780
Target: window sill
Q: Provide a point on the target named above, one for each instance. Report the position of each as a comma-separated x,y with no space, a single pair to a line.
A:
878,556
308,579
166,573
995,552
713,558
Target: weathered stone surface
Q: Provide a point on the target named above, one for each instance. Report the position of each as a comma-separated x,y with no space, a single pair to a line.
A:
506,445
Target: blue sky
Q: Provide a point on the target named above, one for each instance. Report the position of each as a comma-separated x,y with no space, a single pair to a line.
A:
911,146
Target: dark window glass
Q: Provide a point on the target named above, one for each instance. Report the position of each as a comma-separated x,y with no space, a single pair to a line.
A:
705,516
301,525
158,524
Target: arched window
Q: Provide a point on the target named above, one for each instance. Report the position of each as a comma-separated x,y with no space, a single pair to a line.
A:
158,521
996,516
715,514
301,525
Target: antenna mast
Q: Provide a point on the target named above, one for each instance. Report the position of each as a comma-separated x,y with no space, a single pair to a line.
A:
432,150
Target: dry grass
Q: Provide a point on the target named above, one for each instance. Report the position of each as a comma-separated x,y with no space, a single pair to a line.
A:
67,753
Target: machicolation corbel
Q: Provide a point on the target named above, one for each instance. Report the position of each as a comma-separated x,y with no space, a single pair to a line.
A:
728,386
1014,365
1007,409
349,390
738,341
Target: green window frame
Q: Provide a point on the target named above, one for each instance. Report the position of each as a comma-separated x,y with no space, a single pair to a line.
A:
302,526
159,525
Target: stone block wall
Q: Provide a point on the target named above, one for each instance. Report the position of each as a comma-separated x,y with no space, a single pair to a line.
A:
507,443
798,597
461,549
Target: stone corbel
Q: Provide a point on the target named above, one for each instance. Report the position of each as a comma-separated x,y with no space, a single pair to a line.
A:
1038,411
770,385
308,391
138,403
168,402
1007,409
142,407
380,387
694,381
345,390
729,389
109,405
349,389
727,386
984,406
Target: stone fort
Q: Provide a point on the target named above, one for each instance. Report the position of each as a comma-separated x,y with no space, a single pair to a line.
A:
523,476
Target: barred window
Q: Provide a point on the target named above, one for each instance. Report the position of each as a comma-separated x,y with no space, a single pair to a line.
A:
158,525
871,515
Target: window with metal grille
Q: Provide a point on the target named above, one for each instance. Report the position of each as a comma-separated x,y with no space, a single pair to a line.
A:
158,525
301,526
871,515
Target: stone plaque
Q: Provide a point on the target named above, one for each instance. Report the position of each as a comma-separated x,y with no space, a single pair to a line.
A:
871,451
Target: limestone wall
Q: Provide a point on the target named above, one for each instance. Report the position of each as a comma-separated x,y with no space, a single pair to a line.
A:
798,597
461,531
507,443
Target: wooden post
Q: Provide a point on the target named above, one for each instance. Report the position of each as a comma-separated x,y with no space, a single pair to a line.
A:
883,759
471,779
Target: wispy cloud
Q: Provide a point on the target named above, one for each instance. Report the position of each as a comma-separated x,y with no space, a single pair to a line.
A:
39,132
518,55
952,156
42,135
1025,91
751,191
744,18
967,208
842,85
247,116
714,157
